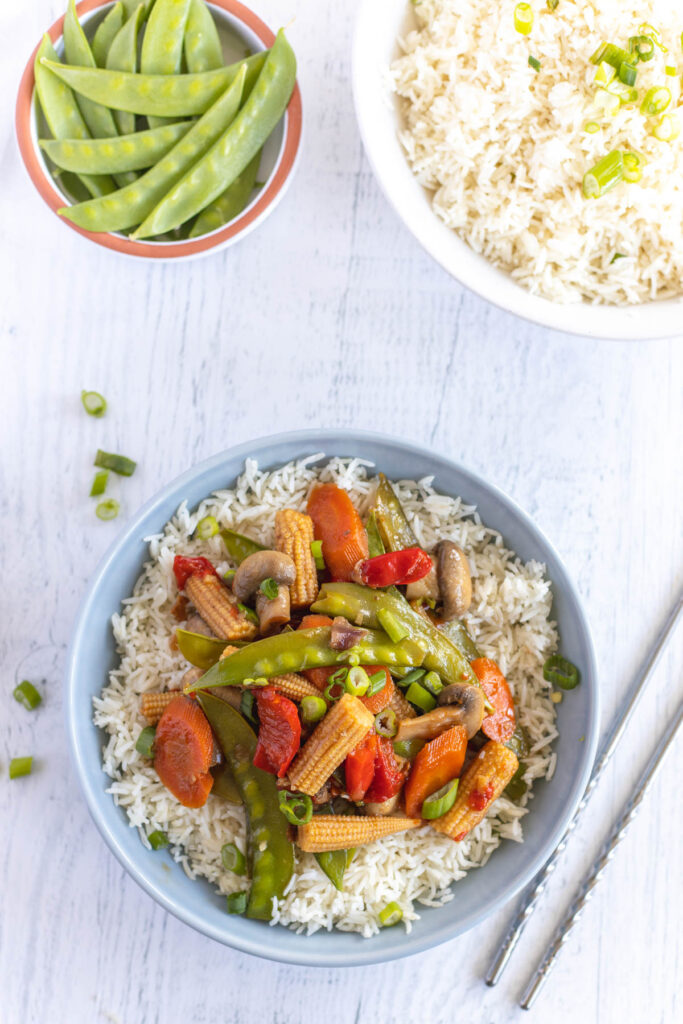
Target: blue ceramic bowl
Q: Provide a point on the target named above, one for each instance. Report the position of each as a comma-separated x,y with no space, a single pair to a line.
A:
482,891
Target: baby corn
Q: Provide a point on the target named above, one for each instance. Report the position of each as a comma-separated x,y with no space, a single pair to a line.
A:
218,608
153,705
294,686
481,784
340,731
340,831
293,536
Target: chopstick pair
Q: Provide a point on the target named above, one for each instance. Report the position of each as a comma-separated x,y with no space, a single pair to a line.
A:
538,885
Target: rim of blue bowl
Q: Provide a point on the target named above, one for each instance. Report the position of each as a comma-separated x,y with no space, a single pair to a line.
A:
256,944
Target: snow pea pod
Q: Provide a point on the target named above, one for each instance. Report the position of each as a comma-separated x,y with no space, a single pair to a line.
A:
202,44
61,112
230,203
238,546
334,863
458,633
201,651
162,44
123,56
393,526
105,32
163,95
117,155
130,205
228,157
270,854
224,784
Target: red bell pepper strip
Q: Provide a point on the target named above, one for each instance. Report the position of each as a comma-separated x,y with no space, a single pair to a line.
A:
337,524
501,724
279,733
395,568
388,777
184,567
183,752
359,767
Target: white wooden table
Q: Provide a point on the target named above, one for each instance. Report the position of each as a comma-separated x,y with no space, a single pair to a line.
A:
328,315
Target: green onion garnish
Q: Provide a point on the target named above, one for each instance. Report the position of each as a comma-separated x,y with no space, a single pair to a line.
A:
378,680
237,902
157,840
392,913
617,256
607,101
107,510
99,484
117,463
391,626
561,672
269,588
420,697
357,681
646,29
643,47
145,741
296,807
607,173
667,128
670,70
94,403
591,127
312,709
233,859
207,527
247,706
411,677
439,803
19,766
610,54
249,613
655,101
229,575
552,4
317,552
633,166
335,684
628,73
386,723
534,63
408,748
25,693
605,73
432,683
524,18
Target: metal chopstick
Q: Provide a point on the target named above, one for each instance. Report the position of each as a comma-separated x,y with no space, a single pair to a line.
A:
595,874
537,887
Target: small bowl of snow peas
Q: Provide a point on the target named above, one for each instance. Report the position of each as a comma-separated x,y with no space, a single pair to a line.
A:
162,129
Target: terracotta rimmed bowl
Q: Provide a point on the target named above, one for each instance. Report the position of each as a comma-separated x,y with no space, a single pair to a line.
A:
239,29
196,903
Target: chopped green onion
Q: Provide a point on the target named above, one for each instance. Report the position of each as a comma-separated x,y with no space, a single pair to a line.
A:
99,484
617,256
229,575
605,73
157,840
248,612
607,173
389,624
392,913
94,403
628,73
25,693
335,684
643,47
317,552
408,748
247,706
667,128
646,29
608,53
386,723
19,766
420,697
207,527
233,859
607,102
534,63
591,127
655,101
439,803
145,741
357,681
378,680
312,709
237,902
624,93
670,70
296,807
561,672
269,588
117,463
633,166
411,677
552,4
524,18
107,510
432,683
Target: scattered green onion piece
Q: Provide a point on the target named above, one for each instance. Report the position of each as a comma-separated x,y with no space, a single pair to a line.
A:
157,840
247,706
643,47
392,913
207,527
633,166
534,63
648,30
628,73
552,4
667,128
296,807
317,552
561,672
233,859
145,741
389,624
408,748
237,902
117,463
107,510
312,709
249,612
386,723
94,403
411,677
99,484
378,680
420,697
432,683
524,19
607,173
357,681
269,588
617,256
591,127
440,803
335,685
605,73
606,101
25,693
608,53
670,70
655,101
229,575
20,766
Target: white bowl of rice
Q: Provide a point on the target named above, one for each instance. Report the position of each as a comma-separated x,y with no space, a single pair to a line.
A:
524,607
480,137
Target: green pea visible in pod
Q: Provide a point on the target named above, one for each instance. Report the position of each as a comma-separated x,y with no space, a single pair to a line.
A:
122,55
112,156
201,44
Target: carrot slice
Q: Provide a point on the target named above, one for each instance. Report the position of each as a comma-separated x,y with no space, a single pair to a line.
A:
339,527
501,724
378,701
183,752
438,762
315,621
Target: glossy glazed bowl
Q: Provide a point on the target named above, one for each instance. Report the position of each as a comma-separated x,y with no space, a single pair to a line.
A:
379,23
484,890
239,29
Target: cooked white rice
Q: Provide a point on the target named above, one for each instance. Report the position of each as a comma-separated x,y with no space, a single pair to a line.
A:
505,148
509,619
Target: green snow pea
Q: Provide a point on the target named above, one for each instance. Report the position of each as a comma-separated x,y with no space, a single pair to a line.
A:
270,856
201,651
162,95
162,43
228,157
224,785
105,32
458,633
61,112
230,203
238,546
202,44
393,526
123,56
117,155
334,863
130,205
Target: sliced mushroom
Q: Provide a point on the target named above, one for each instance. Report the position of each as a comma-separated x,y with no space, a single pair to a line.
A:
344,636
427,587
455,581
385,807
427,727
273,612
196,624
470,702
260,566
